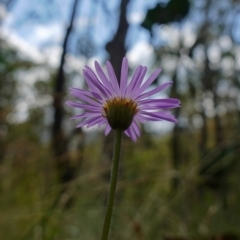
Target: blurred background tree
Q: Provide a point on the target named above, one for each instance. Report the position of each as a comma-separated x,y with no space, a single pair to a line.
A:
177,181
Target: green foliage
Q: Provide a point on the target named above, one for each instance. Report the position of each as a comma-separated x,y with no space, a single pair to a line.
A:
34,207
174,10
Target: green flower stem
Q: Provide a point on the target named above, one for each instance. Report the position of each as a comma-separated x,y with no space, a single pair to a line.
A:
113,183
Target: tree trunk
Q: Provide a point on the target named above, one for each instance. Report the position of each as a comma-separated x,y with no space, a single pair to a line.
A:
116,49
59,142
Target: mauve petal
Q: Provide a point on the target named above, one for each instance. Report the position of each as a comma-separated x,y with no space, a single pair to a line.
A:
83,106
112,77
132,134
139,118
147,118
161,115
163,100
169,118
149,81
92,74
87,93
86,115
98,86
154,91
124,76
83,123
107,129
82,115
138,83
94,121
136,128
158,104
103,121
96,95
133,80
85,98
127,133
156,107
89,83
91,80
102,76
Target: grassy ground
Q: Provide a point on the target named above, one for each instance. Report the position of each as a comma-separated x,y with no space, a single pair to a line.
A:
35,206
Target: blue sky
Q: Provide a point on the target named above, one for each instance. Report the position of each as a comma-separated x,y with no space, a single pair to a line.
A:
37,29
42,23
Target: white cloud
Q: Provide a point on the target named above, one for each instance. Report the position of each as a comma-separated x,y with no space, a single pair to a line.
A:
52,55
52,32
141,53
3,12
135,17
188,35
214,53
159,127
225,43
84,21
21,45
170,35
75,63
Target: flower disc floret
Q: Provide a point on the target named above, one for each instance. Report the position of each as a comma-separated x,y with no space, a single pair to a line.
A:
120,112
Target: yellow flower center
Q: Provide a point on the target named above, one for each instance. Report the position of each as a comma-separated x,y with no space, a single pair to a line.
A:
120,112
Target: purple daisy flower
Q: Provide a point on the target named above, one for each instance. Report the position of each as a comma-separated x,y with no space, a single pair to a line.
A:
121,106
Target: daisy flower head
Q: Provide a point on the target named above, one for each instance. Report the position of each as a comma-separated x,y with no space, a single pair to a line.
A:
121,105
